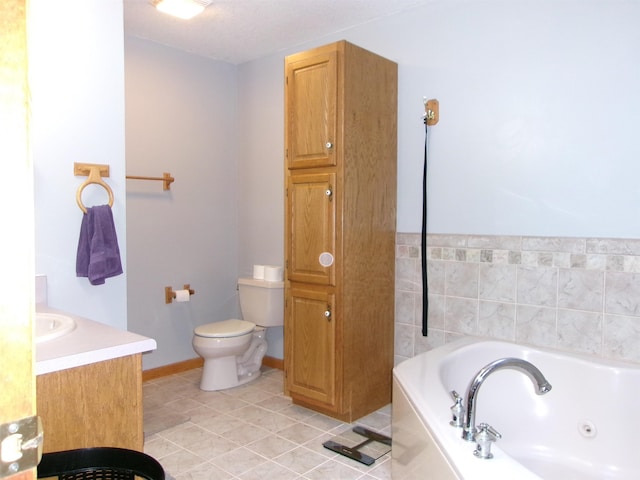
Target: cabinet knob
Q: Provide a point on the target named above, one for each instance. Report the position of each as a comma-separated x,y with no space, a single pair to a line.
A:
327,314
328,192
329,145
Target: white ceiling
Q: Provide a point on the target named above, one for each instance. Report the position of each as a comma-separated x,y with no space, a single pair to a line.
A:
238,31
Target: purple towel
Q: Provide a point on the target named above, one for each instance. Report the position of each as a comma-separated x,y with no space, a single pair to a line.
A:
98,252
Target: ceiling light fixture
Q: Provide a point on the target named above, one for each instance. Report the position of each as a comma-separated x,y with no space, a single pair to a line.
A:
182,8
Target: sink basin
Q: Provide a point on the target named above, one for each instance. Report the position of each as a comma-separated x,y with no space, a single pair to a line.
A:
52,325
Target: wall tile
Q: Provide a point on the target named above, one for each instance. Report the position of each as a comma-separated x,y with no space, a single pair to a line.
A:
574,294
562,259
405,307
515,258
613,245
408,239
501,257
580,331
622,338
537,286
495,242
529,258
632,264
497,320
436,312
596,262
436,338
461,279
578,260
406,274
403,340
497,282
554,244
622,294
536,326
435,277
615,263
581,289
461,315
446,240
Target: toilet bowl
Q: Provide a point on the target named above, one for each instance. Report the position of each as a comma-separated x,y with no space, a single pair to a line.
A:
233,349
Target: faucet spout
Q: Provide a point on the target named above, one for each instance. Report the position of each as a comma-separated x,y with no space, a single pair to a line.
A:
540,384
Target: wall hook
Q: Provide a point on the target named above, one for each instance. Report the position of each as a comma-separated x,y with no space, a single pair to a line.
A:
431,111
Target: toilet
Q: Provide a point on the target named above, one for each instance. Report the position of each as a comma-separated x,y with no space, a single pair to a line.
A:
233,349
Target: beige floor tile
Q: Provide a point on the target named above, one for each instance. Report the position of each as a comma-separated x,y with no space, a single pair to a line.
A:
205,471
239,461
269,471
271,446
301,460
252,432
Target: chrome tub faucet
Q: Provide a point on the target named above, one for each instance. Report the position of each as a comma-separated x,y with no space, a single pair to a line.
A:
540,384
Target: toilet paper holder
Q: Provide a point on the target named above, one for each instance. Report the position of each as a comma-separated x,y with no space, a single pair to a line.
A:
169,294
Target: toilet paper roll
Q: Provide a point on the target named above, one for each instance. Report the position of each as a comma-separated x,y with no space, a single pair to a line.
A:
182,296
258,272
273,273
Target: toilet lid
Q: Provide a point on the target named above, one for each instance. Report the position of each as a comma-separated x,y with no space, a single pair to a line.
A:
225,329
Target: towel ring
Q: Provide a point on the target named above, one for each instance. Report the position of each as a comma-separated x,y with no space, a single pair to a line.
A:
94,177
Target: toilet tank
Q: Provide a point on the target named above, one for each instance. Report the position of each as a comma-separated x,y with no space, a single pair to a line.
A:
261,301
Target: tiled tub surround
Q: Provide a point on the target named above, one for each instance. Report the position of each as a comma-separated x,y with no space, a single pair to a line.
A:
579,295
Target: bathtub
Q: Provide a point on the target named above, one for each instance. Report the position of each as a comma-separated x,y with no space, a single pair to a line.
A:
585,428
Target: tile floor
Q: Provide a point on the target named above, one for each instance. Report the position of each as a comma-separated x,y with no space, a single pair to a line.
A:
252,432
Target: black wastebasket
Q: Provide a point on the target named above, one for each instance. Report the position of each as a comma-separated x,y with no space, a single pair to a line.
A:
100,463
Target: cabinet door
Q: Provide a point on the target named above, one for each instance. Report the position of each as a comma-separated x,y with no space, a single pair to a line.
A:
311,344
311,231
311,103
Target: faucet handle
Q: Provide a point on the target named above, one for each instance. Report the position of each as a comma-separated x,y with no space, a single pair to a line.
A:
484,437
457,410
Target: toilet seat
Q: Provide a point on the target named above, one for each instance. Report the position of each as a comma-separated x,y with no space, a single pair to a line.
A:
225,329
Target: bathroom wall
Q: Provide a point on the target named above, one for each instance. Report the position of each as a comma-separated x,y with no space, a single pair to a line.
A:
538,107
180,118
261,182
76,75
536,138
580,295
539,104
538,113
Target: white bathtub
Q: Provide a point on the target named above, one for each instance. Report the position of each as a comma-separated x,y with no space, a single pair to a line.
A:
586,428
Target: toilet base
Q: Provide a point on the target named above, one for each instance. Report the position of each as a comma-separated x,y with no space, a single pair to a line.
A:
221,373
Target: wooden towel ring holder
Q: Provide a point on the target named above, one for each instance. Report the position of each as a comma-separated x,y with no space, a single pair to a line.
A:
94,172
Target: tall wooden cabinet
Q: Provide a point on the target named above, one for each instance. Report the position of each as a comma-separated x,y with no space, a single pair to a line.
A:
340,178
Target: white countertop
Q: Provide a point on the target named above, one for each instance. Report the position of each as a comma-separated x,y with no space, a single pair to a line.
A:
89,342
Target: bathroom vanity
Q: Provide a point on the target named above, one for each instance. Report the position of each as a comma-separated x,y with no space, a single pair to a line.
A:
89,387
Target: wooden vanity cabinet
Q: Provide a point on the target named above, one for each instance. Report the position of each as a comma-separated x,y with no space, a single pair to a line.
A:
340,219
94,405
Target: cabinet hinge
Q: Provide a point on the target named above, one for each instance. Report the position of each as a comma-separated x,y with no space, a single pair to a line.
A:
20,445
